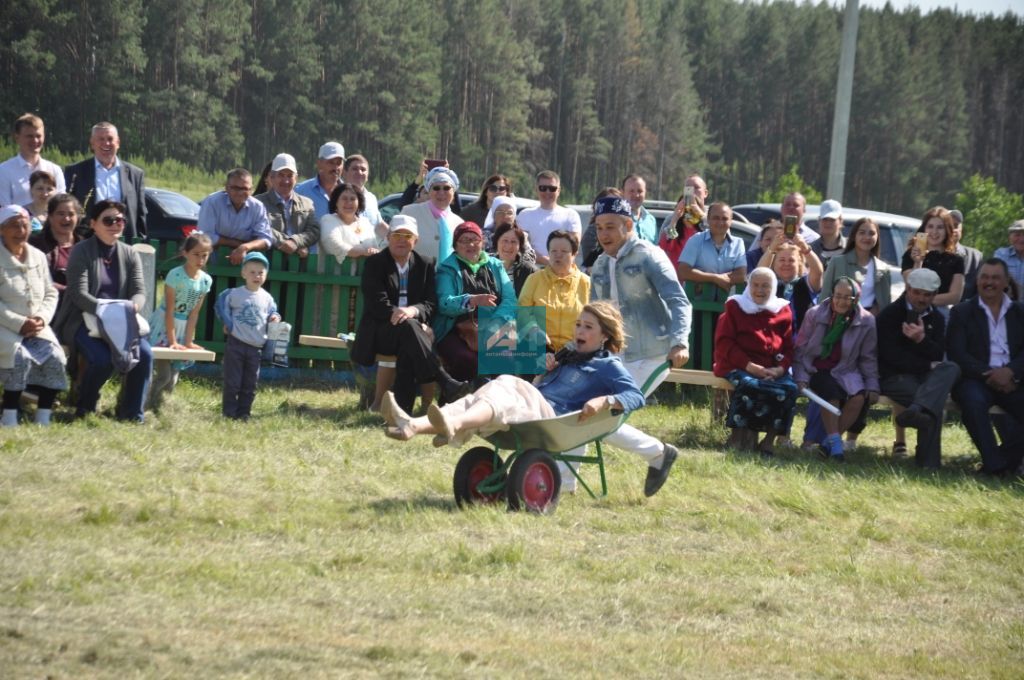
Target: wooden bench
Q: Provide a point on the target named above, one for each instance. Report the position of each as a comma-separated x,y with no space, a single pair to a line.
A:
689,376
166,353
323,341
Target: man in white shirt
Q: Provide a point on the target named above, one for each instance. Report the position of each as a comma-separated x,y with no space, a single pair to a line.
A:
539,222
29,135
986,339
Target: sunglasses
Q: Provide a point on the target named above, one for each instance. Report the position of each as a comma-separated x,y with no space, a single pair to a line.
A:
402,235
469,241
495,188
440,187
111,220
546,188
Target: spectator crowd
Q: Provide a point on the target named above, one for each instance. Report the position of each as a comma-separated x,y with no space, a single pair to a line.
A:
815,315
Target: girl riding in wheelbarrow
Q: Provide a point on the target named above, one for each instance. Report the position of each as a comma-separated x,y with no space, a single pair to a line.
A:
589,378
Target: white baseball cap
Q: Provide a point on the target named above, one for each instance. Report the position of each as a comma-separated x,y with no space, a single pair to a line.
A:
404,223
284,161
331,150
830,210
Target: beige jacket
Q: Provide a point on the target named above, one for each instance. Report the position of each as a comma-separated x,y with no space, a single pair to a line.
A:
26,290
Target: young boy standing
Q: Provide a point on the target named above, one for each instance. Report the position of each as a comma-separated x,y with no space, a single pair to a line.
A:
245,311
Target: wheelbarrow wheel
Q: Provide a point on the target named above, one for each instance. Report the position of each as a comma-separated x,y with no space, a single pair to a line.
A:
534,483
474,467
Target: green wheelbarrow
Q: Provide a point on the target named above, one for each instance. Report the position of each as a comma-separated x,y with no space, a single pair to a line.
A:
529,478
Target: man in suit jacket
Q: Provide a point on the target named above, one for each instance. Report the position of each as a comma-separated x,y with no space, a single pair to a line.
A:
911,347
399,299
292,217
986,339
105,176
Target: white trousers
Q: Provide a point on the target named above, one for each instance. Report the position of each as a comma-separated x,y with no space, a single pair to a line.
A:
628,437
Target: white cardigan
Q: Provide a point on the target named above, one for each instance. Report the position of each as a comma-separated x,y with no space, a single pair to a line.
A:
26,290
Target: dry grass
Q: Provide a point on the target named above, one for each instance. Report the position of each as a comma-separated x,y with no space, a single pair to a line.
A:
304,543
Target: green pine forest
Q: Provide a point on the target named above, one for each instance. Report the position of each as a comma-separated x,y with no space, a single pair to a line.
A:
742,92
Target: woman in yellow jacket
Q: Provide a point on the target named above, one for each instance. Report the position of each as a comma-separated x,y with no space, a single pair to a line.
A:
560,287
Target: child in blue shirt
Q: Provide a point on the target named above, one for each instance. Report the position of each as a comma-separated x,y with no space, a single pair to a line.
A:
245,311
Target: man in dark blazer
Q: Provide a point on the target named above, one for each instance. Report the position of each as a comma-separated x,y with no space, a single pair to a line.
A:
105,176
399,299
911,348
986,339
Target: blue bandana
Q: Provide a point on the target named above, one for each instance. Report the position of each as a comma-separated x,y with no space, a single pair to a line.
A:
612,205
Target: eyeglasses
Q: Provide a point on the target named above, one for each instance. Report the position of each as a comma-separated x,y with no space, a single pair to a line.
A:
546,188
469,241
402,235
495,188
440,187
111,220
239,189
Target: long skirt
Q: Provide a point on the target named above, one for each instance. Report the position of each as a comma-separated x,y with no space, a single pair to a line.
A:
761,405
36,362
512,399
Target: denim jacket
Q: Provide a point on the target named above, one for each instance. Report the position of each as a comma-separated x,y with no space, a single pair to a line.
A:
654,307
568,388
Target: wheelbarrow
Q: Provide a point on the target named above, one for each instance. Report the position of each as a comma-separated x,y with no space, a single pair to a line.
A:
529,478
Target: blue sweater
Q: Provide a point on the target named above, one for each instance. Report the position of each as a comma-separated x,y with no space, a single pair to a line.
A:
567,388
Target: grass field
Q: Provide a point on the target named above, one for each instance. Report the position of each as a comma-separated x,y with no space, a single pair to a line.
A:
305,544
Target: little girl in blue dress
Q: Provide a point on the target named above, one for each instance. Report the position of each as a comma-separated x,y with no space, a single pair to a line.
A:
173,322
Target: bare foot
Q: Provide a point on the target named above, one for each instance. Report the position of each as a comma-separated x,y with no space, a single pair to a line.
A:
439,441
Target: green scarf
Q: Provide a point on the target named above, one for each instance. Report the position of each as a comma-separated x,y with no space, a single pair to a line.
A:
834,333
840,323
474,266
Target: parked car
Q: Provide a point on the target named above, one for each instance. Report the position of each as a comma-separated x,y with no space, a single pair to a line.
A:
389,205
894,230
170,215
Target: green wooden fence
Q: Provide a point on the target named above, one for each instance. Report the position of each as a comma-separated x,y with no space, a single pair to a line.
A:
317,295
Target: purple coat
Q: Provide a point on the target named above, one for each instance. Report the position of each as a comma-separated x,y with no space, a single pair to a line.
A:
857,369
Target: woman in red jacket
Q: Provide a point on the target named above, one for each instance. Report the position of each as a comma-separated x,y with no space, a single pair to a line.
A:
753,351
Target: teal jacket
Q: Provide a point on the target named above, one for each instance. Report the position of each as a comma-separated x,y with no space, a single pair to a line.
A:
452,302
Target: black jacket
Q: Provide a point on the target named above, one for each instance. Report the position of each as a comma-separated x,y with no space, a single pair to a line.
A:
899,354
81,182
379,287
967,341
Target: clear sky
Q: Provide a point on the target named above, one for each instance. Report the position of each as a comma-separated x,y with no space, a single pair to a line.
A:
979,7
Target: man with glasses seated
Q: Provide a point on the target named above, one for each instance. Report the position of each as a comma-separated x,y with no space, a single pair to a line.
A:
539,222
434,217
234,218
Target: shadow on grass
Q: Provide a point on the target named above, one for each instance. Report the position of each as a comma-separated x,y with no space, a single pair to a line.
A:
389,506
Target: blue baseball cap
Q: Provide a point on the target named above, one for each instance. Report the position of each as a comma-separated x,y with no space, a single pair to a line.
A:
256,256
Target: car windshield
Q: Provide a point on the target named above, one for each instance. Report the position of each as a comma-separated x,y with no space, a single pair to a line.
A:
176,204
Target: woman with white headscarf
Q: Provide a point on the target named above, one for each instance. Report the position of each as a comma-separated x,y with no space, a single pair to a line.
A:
753,351
29,351
434,217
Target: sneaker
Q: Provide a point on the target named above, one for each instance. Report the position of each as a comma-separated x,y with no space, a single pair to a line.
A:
656,477
899,448
849,445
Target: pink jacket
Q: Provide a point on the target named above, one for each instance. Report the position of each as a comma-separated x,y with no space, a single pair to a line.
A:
857,369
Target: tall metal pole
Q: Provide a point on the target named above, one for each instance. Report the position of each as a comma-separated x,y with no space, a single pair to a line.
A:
844,93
